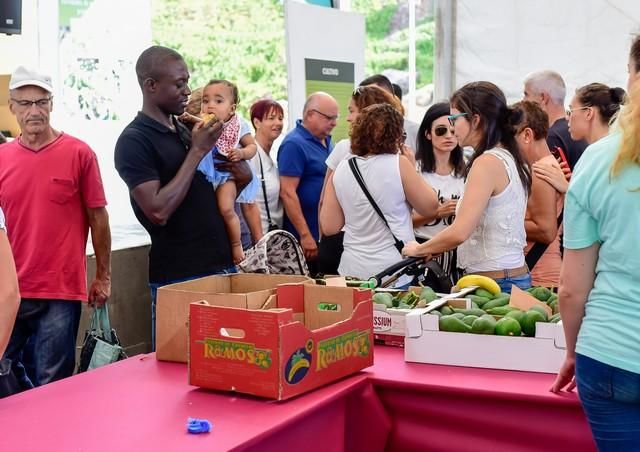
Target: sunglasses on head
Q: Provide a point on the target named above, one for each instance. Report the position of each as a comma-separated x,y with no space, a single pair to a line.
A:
441,131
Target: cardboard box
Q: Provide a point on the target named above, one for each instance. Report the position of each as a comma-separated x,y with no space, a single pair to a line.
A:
425,343
389,323
285,350
249,291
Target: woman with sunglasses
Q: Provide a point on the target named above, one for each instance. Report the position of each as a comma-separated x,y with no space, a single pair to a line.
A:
489,225
330,248
441,162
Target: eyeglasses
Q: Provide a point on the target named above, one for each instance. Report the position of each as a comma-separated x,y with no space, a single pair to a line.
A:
571,110
441,131
327,117
452,118
40,103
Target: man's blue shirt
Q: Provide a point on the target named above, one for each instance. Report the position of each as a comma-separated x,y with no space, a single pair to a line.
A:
303,155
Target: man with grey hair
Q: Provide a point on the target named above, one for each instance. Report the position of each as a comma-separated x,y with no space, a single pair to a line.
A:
301,162
52,194
547,89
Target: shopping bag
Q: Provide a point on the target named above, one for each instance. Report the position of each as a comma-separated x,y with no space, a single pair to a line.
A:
101,345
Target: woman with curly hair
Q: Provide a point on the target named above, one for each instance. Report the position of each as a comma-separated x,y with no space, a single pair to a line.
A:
599,292
489,226
330,248
394,185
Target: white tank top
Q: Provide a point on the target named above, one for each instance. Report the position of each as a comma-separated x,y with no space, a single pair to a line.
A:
498,241
368,244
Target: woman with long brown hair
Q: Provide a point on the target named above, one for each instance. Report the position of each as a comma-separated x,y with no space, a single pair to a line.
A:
489,226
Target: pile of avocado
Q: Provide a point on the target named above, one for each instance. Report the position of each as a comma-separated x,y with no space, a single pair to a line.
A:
485,307
409,300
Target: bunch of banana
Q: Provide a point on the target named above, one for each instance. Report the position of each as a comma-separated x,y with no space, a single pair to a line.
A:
483,282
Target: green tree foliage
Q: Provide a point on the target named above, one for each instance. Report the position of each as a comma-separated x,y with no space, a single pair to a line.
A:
243,41
240,41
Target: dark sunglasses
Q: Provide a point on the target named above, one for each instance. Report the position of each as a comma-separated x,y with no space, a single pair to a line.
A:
441,131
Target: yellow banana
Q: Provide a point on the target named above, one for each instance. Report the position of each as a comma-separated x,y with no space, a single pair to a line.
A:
484,282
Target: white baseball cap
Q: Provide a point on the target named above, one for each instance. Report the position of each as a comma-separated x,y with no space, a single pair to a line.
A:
23,76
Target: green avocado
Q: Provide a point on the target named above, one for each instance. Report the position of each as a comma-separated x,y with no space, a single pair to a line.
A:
453,324
541,293
478,300
495,303
446,310
483,293
428,294
468,319
384,298
501,310
555,318
517,314
541,310
529,320
508,326
477,312
485,324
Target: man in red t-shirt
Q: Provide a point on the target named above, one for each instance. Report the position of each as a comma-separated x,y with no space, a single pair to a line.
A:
51,193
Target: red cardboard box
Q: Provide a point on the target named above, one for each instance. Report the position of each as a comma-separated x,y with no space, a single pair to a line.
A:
285,350
242,290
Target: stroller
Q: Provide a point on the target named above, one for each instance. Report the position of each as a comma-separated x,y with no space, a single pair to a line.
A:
424,273
277,253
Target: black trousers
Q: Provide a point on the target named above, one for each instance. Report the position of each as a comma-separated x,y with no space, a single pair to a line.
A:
329,254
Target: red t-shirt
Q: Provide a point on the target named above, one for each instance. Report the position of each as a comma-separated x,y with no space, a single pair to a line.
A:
44,196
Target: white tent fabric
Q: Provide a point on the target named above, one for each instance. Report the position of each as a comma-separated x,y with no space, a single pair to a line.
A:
504,40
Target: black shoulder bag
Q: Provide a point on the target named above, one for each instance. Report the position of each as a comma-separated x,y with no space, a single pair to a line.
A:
272,225
356,173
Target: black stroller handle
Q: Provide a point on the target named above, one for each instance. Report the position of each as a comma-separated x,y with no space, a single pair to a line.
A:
389,271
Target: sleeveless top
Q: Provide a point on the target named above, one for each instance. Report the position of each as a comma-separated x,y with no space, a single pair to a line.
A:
368,244
498,240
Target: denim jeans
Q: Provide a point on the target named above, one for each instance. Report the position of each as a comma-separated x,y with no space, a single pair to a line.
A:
42,346
522,282
611,400
154,295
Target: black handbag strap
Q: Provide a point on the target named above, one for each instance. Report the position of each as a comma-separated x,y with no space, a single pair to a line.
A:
356,173
264,189
538,249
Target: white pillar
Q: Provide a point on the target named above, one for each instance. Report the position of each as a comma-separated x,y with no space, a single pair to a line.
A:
411,100
444,63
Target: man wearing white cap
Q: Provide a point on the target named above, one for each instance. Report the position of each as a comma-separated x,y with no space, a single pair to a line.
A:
51,193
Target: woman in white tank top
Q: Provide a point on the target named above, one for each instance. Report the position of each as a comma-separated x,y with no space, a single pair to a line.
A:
489,226
395,186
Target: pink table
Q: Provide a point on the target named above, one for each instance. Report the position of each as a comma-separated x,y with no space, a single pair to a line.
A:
445,408
142,405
